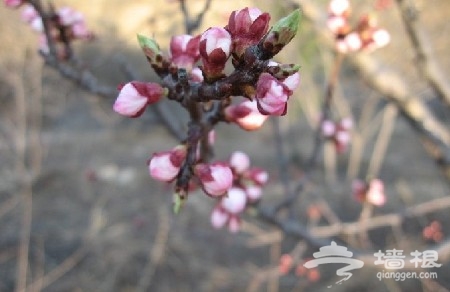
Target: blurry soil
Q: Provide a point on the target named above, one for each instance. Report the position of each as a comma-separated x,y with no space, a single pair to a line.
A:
94,205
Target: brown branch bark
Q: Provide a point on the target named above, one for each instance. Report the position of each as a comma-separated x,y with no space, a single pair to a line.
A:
425,58
395,89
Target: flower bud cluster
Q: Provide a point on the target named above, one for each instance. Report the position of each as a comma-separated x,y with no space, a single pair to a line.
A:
245,191
365,36
65,25
338,132
371,192
194,74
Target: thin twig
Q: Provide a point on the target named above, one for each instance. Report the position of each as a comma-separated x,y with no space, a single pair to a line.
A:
425,58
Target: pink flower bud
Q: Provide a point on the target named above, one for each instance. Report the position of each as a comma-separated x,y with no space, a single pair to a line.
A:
346,124
13,3
375,195
135,96
353,42
196,75
69,16
216,178
359,189
272,95
29,13
165,166
338,7
336,23
36,24
239,161
246,115
328,128
247,27
234,202
258,176
254,193
234,224
80,31
381,38
372,193
219,217
211,137
215,46
342,140
184,50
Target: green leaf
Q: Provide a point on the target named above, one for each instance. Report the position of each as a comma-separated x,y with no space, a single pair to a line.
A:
149,46
290,22
178,203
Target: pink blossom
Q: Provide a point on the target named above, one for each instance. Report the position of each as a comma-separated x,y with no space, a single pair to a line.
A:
135,96
234,202
372,192
28,13
253,192
338,7
375,195
219,217
272,95
258,176
32,17
165,166
215,46
69,16
239,161
336,23
346,124
328,128
247,26
353,42
234,224
184,50
216,178
80,31
13,3
196,75
246,115
381,38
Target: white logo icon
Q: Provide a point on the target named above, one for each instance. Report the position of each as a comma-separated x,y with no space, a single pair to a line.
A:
335,254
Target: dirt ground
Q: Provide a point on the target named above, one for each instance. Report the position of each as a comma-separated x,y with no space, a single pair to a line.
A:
100,223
